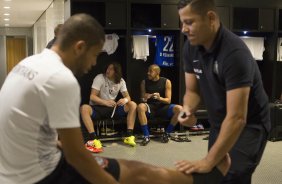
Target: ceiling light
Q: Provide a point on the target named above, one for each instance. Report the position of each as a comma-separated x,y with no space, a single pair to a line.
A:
6,14
7,0
7,7
6,19
7,24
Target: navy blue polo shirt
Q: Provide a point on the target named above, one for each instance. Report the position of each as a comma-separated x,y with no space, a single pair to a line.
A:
227,65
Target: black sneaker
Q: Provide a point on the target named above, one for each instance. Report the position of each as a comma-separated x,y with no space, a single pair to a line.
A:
165,137
145,141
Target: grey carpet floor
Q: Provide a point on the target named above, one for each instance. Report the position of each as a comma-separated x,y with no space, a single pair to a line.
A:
268,172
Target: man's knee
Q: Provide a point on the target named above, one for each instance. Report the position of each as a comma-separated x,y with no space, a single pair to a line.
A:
131,105
85,109
177,109
141,108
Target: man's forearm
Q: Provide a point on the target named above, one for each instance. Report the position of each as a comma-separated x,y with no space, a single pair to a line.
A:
164,100
87,166
230,131
97,100
191,101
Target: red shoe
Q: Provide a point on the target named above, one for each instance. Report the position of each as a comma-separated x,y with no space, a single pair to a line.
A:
194,128
200,127
93,149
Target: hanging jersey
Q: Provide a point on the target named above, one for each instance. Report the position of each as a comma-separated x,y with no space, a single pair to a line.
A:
111,43
279,49
140,47
255,45
164,52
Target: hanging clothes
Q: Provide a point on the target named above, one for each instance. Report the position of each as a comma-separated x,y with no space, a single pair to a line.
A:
256,46
279,49
164,56
140,47
111,43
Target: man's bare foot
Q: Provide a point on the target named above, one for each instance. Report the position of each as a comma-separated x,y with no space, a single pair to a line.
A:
224,164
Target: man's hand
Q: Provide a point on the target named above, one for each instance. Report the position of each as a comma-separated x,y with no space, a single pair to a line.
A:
122,101
110,103
148,96
188,167
156,96
186,118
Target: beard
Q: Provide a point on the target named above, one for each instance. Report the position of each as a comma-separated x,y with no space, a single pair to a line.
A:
82,65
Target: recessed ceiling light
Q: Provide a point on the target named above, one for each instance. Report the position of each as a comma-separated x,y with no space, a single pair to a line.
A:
7,7
7,24
6,14
7,0
6,19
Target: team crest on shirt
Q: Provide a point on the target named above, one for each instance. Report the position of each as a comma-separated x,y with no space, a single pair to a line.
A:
198,72
215,67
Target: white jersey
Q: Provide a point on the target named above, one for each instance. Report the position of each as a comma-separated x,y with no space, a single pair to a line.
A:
255,45
140,47
39,96
107,88
111,43
279,49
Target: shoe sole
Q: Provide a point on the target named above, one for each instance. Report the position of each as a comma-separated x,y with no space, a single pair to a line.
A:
142,144
133,145
93,150
130,144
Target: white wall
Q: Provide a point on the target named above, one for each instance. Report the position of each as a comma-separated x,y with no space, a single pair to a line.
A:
38,35
67,5
3,66
43,29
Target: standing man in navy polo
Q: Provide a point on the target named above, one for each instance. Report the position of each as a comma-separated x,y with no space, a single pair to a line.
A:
219,65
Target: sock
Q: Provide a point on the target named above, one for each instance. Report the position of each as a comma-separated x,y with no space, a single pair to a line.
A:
145,130
129,132
92,135
170,128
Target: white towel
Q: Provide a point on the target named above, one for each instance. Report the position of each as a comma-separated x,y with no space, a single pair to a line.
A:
256,46
111,43
279,49
140,47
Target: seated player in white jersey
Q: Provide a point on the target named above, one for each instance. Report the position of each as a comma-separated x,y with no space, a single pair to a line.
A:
156,97
104,104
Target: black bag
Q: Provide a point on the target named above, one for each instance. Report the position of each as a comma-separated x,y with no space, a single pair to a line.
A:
276,122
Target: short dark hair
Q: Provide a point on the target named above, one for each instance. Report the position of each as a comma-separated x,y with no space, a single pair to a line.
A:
57,29
156,68
200,7
118,71
80,27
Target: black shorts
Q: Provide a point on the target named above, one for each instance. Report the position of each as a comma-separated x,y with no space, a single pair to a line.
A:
104,112
160,110
66,174
247,151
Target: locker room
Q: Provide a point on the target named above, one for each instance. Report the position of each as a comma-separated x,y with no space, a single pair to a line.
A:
140,34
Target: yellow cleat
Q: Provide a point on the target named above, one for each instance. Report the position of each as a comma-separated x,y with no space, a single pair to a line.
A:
96,143
130,140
